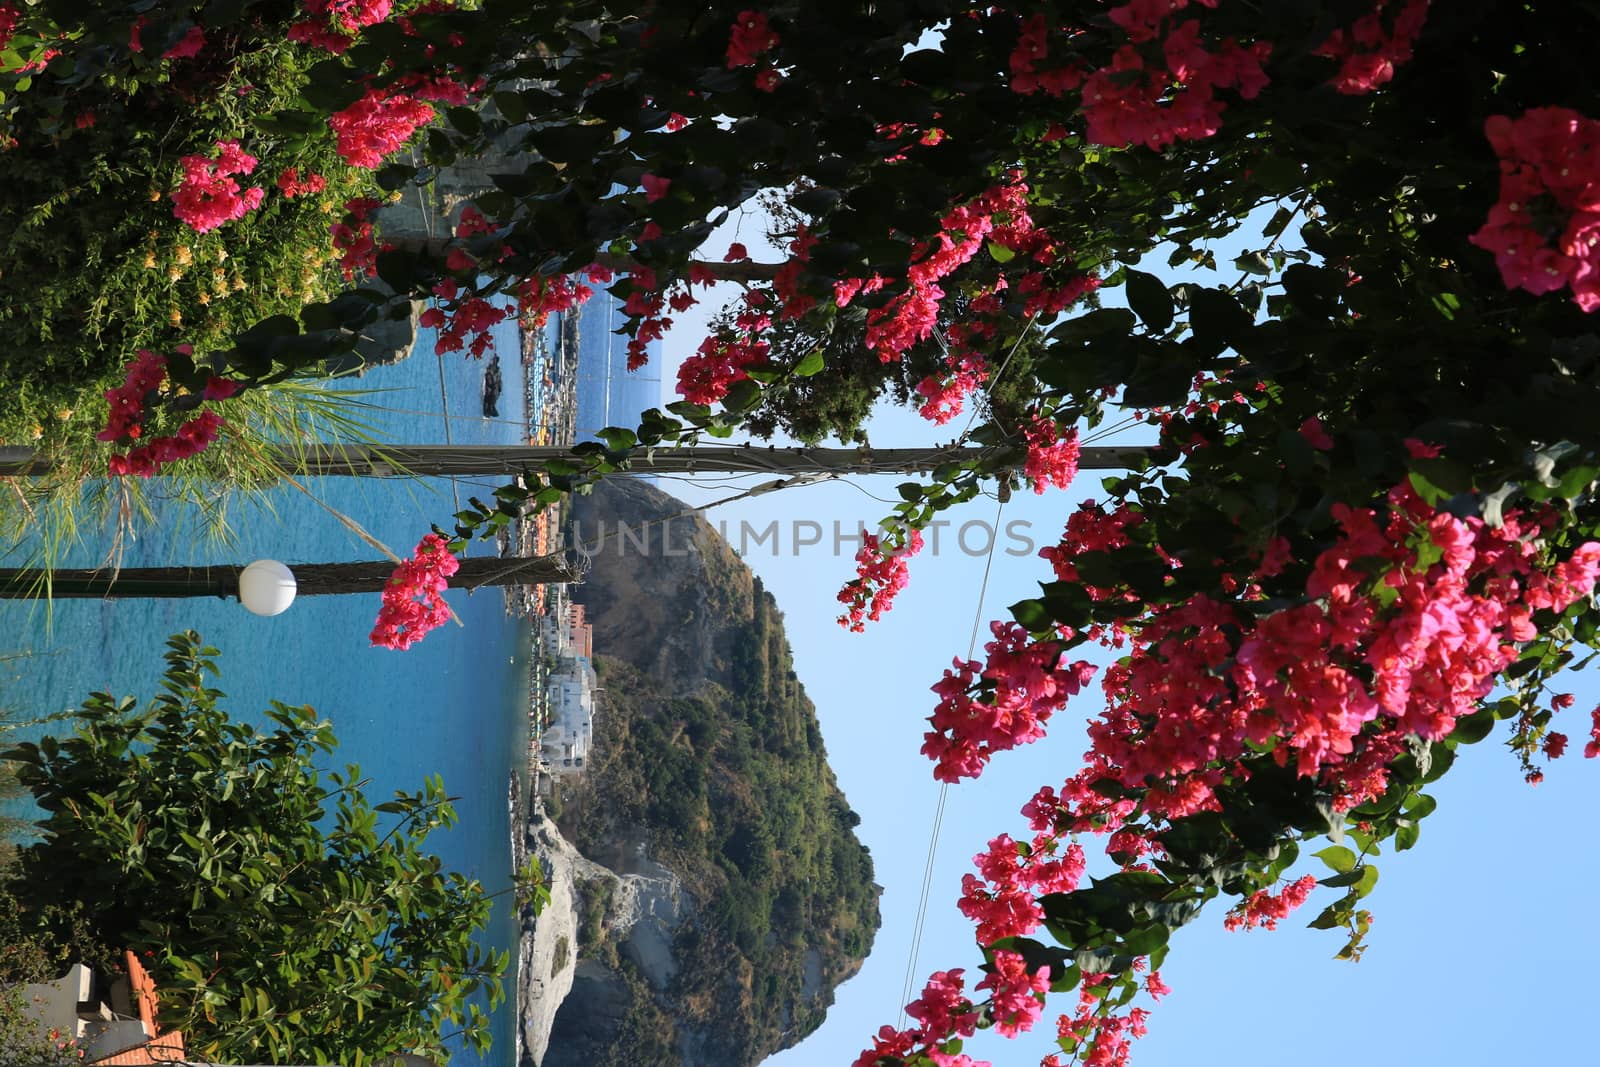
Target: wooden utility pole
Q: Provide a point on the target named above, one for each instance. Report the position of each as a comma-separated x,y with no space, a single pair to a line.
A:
311,579
381,461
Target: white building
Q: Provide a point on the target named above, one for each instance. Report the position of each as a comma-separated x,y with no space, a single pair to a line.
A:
571,691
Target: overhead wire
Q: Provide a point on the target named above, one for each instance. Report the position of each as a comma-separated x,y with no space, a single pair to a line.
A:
920,925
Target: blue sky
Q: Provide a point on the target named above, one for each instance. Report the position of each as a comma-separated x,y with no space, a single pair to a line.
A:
1497,900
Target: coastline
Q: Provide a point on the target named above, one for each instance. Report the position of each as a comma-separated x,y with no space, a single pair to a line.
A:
516,805
550,413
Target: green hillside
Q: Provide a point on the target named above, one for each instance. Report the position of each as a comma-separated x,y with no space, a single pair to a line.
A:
708,749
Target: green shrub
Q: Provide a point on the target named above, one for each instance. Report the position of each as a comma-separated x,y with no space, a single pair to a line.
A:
276,932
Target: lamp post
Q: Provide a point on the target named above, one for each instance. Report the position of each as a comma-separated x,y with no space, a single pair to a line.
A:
267,587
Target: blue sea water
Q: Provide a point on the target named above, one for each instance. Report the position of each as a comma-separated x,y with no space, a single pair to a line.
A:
609,394
453,705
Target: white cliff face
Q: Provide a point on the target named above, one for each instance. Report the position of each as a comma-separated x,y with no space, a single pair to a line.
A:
646,907
553,940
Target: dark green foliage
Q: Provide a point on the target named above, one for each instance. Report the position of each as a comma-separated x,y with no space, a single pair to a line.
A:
36,948
93,264
277,931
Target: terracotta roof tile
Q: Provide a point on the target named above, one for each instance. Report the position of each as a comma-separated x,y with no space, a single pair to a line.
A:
168,1048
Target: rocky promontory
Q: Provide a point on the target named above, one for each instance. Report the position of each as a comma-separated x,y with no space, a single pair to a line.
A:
708,890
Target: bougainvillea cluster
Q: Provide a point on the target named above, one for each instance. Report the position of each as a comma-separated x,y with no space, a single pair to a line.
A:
1265,908
207,195
1161,86
999,215
1091,528
727,355
1105,1037
541,295
413,601
1004,702
131,404
1331,686
353,238
880,575
377,125
943,396
291,184
1052,459
1016,993
1002,898
9,18
749,38
1409,616
943,1012
191,44
1369,51
1544,230
463,320
333,25
144,376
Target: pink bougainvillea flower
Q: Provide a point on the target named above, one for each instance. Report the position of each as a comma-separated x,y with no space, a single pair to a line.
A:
749,38
208,196
413,601
1315,435
333,25
1544,231
218,388
292,185
189,46
1052,459
880,576
1369,53
655,187
377,125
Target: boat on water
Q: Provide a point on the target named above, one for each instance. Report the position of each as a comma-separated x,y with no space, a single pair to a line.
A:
493,382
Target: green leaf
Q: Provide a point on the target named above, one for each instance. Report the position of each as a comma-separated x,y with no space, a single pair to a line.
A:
1000,253
398,269
1278,223
742,396
465,119
1337,857
1256,263
1576,481
1032,615
1146,939
511,106
392,176
1471,729
810,365
1097,323
1149,299
1217,319
617,439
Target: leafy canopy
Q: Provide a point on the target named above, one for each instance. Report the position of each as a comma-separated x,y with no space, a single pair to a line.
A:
287,917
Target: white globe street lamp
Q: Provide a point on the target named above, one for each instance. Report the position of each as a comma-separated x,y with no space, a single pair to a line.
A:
266,587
